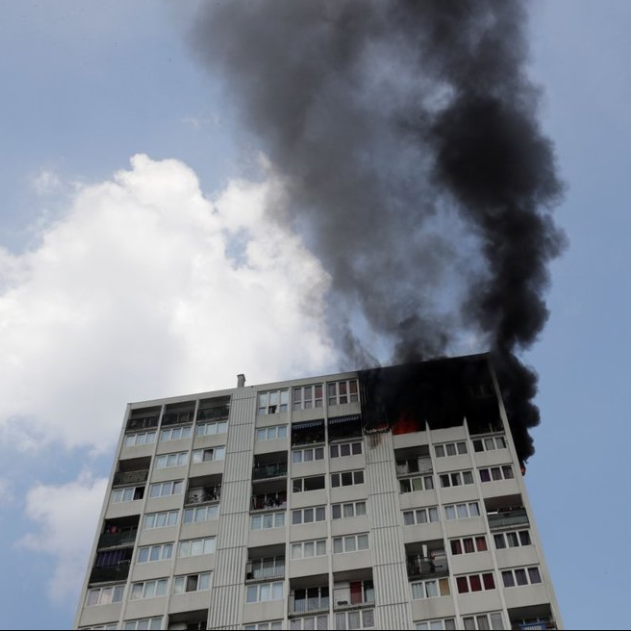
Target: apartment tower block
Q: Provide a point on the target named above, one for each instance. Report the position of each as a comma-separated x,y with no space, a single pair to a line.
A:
391,498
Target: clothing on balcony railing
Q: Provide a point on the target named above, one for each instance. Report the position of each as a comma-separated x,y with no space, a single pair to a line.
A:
269,500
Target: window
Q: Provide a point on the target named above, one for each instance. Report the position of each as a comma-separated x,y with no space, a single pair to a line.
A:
107,627
268,567
268,520
346,449
306,549
421,516
171,460
355,619
495,474
264,626
310,622
341,392
521,576
197,547
273,402
143,623
308,455
451,449
272,433
308,515
162,489
489,444
149,589
200,514
264,592
475,583
148,554
128,494
192,583
136,440
300,485
307,397
310,599
105,595
458,478
348,478
469,545
350,543
484,621
210,429
350,509
176,433
160,520
207,455
448,624
462,511
433,588
512,539
421,483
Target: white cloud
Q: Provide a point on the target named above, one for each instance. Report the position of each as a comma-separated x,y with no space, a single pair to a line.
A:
67,517
46,182
144,288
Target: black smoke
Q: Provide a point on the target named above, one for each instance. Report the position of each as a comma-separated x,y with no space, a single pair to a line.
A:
405,133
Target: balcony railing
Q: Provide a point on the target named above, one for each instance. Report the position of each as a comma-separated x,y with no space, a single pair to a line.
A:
270,471
535,626
508,519
214,413
118,572
130,477
259,573
305,605
117,539
202,496
176,418
422,465
269,501
144,422
347,598
423,567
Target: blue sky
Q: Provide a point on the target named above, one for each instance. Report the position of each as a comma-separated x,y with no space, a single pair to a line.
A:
99,307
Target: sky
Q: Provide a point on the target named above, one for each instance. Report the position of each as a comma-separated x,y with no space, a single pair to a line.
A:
136,262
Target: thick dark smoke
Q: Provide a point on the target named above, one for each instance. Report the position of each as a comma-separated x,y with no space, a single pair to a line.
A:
405,132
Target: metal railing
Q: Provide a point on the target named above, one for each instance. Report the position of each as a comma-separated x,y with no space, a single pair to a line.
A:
118,572
203,496
264,472
268,501
423,567
117,539
508,519
130,477
254,573
305,605
422,465
347,598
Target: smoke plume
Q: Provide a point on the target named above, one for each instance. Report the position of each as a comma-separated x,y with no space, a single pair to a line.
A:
405,134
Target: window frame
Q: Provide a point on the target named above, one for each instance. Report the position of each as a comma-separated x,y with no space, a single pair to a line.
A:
343,479
266,430
429,511
207,508
500,473
217,453
343,539
144,587
186,547
116,590
221,428
453,479
455,447
347,389
476,582
315,451
274,515
527,574
199,579
319,548
342,509
426,482
136,435
150,548
355,448
156,515
302,402
298,484
274,588
174,484
317,510
162,460
176,430
442,585
457,510
265,406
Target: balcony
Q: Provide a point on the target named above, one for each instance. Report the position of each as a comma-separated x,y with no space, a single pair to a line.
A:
358,595
117,572
266,472
508,519
535,626
117,539
264,569
310,605
420,567
267,501
203,495
420,465
123,478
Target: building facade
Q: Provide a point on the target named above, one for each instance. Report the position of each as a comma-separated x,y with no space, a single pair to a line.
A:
385,499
